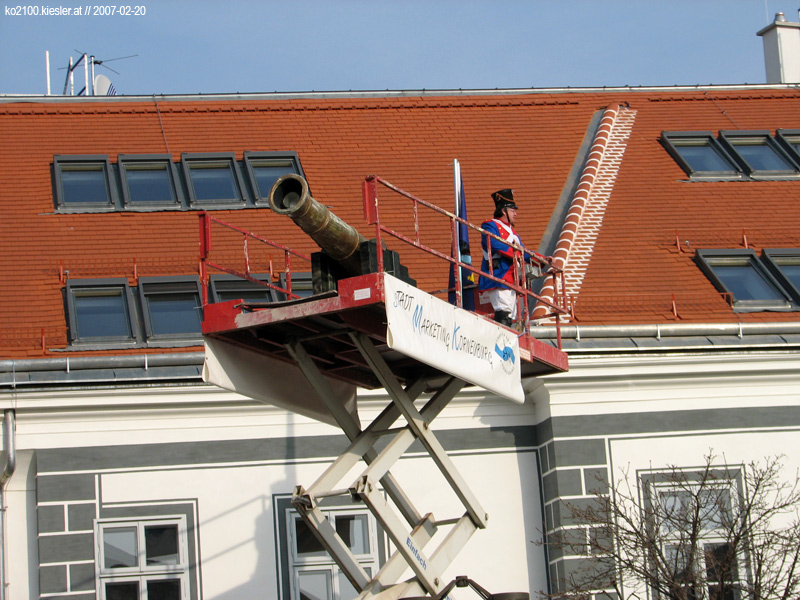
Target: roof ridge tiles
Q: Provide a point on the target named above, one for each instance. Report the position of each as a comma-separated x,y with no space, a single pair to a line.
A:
282,105
706,95
577,238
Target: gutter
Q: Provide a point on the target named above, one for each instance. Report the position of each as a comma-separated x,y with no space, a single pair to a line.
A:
10,457
32,373
666,330
77,363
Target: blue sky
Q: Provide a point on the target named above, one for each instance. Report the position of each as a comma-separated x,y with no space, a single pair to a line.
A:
215,46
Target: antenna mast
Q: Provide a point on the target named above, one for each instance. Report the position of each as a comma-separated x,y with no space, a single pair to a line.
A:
85,76
47,68
86,59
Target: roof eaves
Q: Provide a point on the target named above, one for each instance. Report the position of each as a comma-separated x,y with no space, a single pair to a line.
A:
350,94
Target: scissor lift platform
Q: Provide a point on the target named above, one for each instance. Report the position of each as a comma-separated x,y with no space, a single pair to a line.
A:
344,339
322,324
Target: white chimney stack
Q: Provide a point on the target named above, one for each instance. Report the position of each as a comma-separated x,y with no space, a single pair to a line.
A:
782,50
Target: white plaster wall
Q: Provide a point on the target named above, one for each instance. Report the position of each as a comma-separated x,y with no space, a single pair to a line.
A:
237,529
630,457
600,385
199,413
235,501
22,575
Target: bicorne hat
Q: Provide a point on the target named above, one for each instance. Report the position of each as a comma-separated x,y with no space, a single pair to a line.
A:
504,199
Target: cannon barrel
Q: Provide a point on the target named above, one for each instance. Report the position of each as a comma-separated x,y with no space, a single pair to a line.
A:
289,196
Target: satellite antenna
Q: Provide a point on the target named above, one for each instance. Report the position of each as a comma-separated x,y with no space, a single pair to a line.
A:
102,86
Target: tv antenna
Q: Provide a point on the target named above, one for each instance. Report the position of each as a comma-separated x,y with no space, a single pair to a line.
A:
89,61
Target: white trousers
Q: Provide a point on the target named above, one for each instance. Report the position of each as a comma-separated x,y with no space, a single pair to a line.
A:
503,299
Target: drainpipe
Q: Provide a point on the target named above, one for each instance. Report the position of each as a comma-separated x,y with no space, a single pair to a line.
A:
10,455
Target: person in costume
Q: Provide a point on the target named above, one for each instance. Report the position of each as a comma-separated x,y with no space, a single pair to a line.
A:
499,258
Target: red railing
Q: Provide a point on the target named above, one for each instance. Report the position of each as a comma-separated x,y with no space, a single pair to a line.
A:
557,305
274,283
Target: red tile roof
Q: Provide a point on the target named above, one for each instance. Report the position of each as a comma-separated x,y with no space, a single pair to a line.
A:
636,272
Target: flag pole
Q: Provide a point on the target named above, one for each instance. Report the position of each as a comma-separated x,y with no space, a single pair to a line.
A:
457,204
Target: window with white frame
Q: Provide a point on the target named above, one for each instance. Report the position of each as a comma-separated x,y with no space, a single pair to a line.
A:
142,559
694,525
311,573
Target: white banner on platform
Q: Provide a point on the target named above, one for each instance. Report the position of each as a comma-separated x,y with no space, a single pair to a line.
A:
452,339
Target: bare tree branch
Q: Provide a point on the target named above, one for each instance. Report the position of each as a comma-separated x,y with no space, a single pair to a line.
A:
715,532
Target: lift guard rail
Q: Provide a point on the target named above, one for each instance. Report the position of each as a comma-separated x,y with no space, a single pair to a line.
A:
206,221
557,305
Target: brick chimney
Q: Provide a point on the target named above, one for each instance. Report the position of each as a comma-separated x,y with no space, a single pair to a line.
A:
782,50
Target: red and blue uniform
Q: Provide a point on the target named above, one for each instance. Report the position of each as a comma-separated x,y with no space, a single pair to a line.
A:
498,258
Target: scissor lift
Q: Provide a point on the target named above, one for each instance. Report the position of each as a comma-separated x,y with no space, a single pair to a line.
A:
345,337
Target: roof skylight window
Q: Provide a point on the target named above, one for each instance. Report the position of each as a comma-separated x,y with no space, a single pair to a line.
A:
302,284
212,179
171,307
790,140
82,181
230,287
785,265
148,180
699,154
742,276
758,153
156,182
265,168
159,312
100,310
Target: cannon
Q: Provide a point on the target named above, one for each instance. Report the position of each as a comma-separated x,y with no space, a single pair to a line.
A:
345,252
289,196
